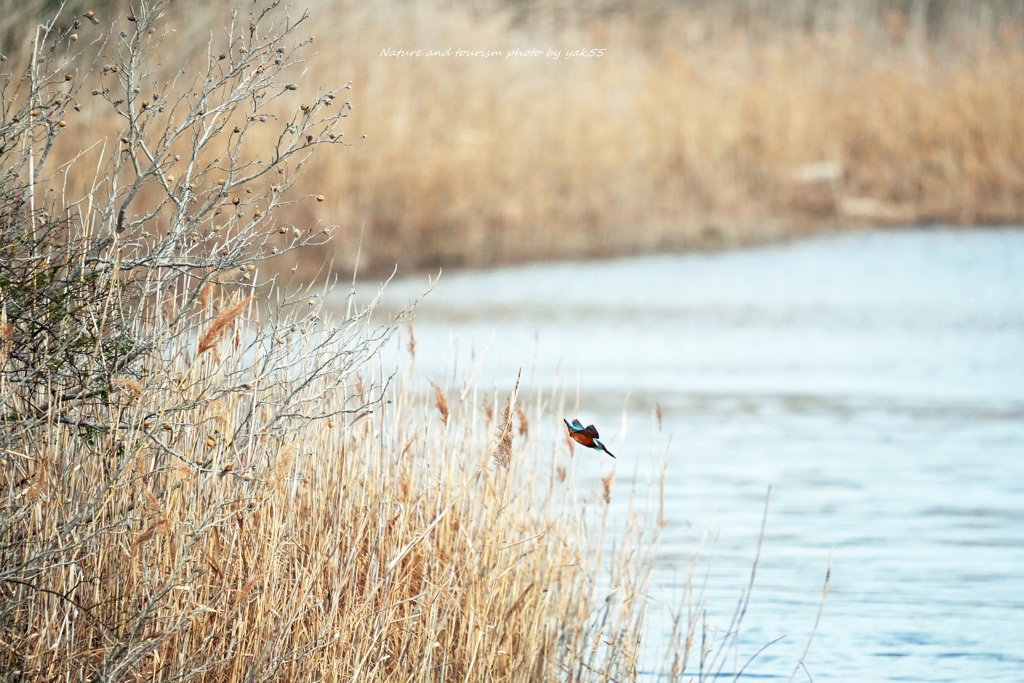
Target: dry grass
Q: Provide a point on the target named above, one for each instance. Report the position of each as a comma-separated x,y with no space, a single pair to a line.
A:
227,542
693,129
681,135
220,325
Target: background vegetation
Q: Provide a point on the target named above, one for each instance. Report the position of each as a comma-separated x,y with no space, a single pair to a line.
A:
702,125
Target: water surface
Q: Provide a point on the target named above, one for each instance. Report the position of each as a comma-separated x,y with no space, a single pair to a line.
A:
874,379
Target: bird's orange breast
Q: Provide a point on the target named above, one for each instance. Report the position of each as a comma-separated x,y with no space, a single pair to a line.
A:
583,438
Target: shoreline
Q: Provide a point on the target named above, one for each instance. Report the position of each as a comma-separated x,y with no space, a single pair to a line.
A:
708,246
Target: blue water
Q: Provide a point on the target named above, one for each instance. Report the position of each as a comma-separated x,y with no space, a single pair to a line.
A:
875,380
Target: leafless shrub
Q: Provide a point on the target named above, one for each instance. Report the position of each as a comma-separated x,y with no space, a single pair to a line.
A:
117,393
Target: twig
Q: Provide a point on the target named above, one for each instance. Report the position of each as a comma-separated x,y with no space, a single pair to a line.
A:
817,619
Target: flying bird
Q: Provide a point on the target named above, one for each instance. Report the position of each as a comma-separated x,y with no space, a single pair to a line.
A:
586,436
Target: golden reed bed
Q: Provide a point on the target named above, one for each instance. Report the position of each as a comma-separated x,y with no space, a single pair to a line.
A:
670,128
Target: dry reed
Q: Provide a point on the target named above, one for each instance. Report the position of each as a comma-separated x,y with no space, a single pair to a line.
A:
440,401
220,325
503,442
219,543
679,136
694,127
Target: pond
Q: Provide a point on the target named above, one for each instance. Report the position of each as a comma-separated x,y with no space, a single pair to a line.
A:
873,379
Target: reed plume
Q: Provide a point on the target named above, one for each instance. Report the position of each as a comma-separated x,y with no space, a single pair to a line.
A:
439,399
606,487
220,324
6,340
524,422
503,449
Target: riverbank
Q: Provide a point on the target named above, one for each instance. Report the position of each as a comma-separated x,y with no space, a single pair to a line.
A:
682,130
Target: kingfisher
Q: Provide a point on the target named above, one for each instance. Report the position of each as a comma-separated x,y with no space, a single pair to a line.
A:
586,436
